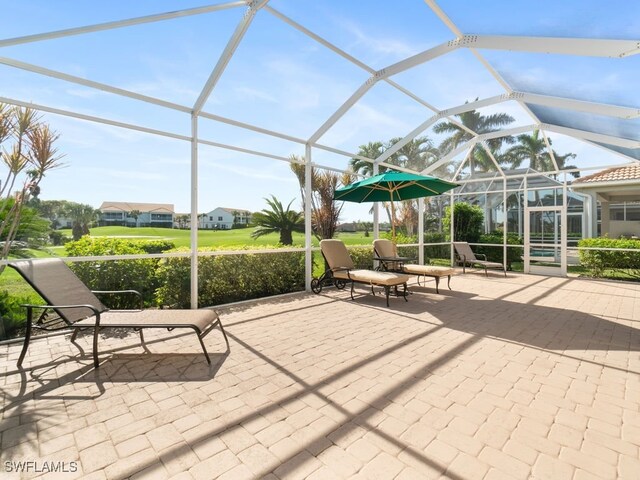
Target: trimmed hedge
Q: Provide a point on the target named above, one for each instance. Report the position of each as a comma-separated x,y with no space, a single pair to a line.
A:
229,278
597,261
137,275
496,254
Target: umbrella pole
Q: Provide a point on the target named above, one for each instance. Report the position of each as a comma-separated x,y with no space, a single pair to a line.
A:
393,220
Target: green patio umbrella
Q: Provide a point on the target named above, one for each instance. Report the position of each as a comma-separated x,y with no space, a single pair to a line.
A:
393,186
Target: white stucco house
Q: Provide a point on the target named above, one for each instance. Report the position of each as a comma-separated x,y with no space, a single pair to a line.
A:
136,214
222,218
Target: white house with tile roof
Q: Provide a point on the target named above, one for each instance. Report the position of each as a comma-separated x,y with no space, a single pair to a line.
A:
617,191
151,214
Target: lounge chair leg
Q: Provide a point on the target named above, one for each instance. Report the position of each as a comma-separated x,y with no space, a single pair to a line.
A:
27,336
96,330
141,337
486,274
437,283
505,273
204,349
352,290
224,334
74,335
449,281
404,292
387,290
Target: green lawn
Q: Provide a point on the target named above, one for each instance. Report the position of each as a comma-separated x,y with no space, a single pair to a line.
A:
212,238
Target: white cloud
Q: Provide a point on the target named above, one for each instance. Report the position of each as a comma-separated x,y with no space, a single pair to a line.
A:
248,93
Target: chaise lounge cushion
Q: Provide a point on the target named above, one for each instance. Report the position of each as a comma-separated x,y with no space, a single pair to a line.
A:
201,319
428,270
372,277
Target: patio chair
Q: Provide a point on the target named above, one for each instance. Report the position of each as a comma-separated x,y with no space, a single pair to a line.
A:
467,257
78,308
342,270
386,251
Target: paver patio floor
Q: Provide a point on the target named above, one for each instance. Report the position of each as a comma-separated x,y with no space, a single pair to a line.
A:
519,377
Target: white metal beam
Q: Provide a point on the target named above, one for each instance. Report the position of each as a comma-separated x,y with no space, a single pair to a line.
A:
449,156
592,47
550,150
91,84
227,53
492,157
344,108
462,164
117,24
194,211
410,136
92,118
418,59
578,105
596,137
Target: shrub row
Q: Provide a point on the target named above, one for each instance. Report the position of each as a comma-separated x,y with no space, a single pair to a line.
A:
597,261
229,278
167,282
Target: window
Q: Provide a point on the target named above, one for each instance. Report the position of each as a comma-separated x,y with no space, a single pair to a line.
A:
210,218
219,219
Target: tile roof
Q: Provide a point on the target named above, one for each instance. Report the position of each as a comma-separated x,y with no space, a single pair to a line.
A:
616,174
143,207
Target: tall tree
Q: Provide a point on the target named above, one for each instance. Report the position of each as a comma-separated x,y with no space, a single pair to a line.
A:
480,124
371,150
533,149
325,211
278,219
135,214
28,153
82,217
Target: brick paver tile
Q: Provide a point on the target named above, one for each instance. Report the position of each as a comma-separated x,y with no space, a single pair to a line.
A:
550,468
98,457
91,435
384,466
298,467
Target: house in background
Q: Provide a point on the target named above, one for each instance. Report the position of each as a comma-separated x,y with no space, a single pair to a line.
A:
615,192
225,219
151,214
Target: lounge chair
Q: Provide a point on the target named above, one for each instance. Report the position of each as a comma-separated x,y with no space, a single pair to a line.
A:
467,257
342,270
386,251
78,308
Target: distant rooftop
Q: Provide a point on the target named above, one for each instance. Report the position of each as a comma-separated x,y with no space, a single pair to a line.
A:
616,174
143,207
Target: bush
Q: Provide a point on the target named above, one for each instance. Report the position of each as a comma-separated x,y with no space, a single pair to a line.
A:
436,251
496,254
137,275
597,261
58,238
468,221
362,257
229,278
12,314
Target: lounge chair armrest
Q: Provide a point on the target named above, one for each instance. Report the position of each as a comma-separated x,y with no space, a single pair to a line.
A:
119,292
482,255
31,307
340,269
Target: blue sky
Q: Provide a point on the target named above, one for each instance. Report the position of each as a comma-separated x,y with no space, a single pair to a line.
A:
282,80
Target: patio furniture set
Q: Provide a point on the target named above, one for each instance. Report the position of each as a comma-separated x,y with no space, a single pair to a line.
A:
393,271
77,307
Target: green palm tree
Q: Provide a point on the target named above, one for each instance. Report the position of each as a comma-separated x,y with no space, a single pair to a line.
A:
533,148
371,150
278,220
479,124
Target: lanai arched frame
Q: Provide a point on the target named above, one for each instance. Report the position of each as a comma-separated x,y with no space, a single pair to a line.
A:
567,46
